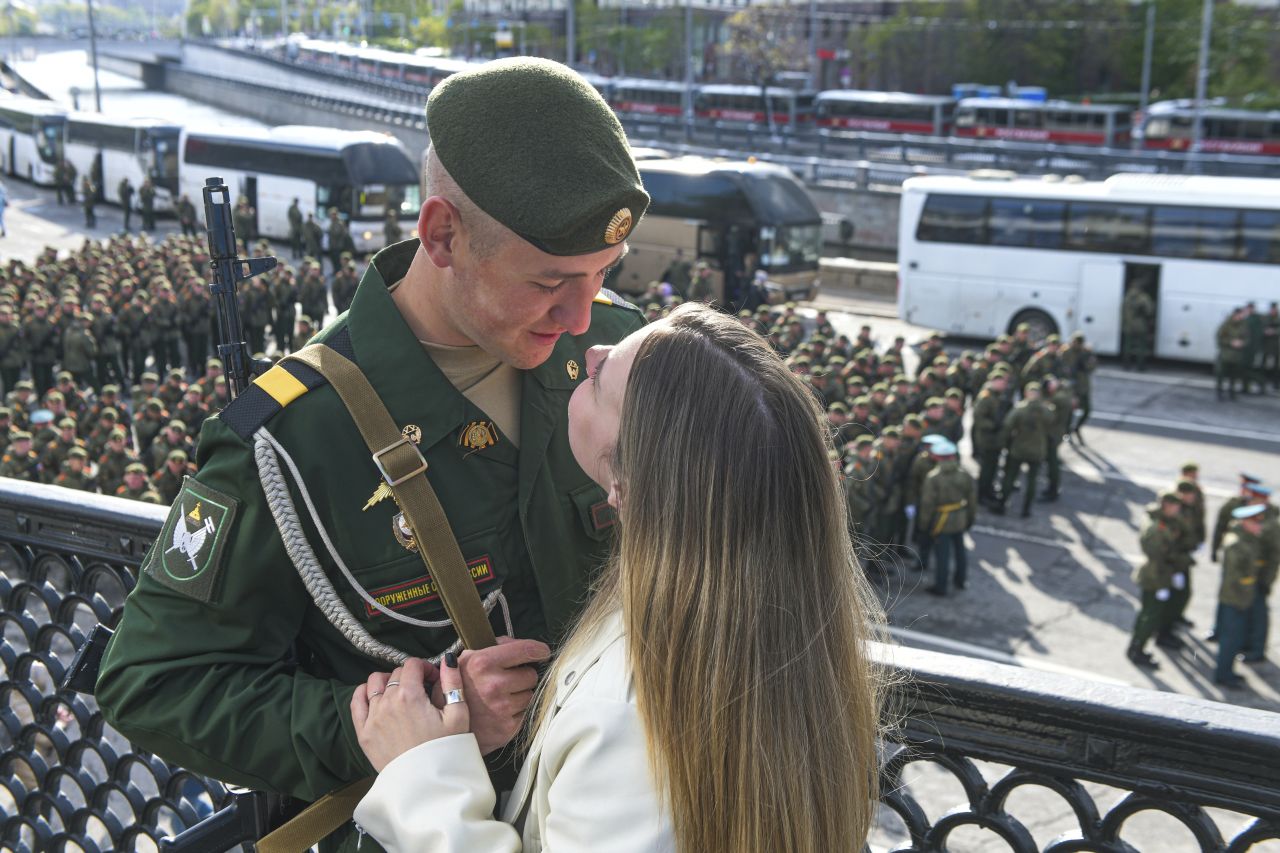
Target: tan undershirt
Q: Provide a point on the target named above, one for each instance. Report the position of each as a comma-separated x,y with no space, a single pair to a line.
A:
491,385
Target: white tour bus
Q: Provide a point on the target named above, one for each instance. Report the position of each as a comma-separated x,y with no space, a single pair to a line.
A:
978,255
110,148
31,138
360,173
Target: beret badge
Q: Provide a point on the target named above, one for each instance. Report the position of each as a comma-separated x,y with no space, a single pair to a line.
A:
619,227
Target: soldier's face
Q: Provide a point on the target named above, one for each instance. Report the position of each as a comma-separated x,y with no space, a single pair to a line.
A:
133,480
595,409
517,302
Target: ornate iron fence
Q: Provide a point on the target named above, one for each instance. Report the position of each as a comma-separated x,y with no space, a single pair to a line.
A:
989,732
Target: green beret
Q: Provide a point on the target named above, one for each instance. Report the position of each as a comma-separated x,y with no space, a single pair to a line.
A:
536,147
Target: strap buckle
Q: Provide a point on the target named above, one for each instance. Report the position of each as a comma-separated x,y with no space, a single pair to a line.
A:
377,460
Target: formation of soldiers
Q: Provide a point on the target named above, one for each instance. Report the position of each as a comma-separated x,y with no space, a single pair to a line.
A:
1248,351
1245,538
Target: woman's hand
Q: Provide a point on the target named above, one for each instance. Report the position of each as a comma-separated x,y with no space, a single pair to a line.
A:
393,714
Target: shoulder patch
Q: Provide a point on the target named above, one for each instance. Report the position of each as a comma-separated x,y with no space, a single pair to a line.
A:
608,297
187,557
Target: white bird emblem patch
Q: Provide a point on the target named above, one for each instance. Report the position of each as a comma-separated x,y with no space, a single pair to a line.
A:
190,542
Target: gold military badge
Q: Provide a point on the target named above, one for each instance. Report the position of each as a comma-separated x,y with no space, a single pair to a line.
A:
478,435
571,368
619,227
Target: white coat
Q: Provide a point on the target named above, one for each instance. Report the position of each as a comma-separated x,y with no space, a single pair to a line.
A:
586,786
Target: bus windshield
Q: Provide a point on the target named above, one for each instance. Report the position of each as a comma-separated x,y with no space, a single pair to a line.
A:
161,144
376,199
49,141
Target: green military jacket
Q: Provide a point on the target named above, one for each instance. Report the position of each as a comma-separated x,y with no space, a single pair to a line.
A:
1062,403
861,492
259,694
78,351
1242,565
1026,431
1160,544
1232,337
986,421
948,500
13,352
1223,522
1270,541
146,494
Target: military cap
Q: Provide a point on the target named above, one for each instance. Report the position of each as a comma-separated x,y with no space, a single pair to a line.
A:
954,393
78,451
155,403
1259,489
1077,336
65,374
943,447
109,413
118,433
110,389
934,401
219,380
941,360
304,319
176,373
1244,477
67,423
180,455
177,424
1190,466
1053,339
195,387
6,412
54,395
1185,486
135,468
838,406
150,375
20,435
932,438
891,432
863,441
1032,386
536,147
213,362
913,420
1022,327
1169,496
1251,511
862,401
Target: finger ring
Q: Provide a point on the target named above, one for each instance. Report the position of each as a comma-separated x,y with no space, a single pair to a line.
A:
375,693
391,684
453,697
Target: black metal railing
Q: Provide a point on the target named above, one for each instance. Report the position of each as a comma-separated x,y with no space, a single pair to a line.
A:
970,740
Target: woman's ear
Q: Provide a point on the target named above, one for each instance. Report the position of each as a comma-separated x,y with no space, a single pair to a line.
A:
615,494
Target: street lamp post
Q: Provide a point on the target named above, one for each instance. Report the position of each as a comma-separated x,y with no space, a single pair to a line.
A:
1147,44
813,45
1202,75
93,53
688,68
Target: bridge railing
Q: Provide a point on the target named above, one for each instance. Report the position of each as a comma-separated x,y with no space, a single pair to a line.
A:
991,732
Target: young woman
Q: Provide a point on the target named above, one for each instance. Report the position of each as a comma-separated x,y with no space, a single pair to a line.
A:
716,694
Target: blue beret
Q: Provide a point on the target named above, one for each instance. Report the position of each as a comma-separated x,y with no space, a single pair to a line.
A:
1249,511
944,448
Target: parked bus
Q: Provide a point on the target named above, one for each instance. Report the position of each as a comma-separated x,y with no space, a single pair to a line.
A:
884,112
772,105
1043,121
359,173
977,256
1170,126
31,138
110,148
636,95
737,216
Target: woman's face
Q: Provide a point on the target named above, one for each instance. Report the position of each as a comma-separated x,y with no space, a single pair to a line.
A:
595,408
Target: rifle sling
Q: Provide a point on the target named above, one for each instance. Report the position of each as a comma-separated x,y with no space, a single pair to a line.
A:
405,471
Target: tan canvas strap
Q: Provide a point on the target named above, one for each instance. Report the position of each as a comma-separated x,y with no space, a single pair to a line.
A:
404,469
316,821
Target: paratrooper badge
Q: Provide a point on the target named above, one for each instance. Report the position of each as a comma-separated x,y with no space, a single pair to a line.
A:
478,435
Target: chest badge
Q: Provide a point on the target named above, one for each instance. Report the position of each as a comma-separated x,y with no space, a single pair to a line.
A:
404,533
571,368
411,433
478,435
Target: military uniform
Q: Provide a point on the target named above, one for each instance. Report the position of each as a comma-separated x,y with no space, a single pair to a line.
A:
295,230
948,507
187,216
1138,314
1025,434
1231,366
1242,566
125,191
12,354
528,521
18,465
143,491
1159,541
1061,404
986,440
391,229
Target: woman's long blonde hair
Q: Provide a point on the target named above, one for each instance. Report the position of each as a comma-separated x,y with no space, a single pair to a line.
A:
747,616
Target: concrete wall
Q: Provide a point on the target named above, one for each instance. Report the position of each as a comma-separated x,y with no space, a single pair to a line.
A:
873,213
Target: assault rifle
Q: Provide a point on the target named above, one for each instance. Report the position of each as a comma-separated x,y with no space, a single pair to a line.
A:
249,815
227,271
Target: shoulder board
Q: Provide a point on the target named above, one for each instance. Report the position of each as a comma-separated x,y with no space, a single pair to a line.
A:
608,297
269,393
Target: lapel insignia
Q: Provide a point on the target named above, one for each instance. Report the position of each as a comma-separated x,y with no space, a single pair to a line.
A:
571,368
413,433
478,435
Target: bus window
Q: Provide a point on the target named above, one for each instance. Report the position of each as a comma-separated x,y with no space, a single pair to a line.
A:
1260,236
1118,228
1189,232
953,219
375,199
1026,118
49,142
1018,222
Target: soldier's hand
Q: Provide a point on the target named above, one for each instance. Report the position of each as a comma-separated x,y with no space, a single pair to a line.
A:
1163,594
1179,581
499,682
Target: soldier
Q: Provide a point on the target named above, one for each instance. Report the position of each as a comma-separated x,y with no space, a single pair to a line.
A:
57,450
1061,404
987,420
167,481
42,343
1046,362
256,313
191,694
679,274
113,461
295,230
921,465
172,437
1137,331
193,318
1242,567
391,228
1079,363
1020,347
243,217
166,328
1270,366
20,462
73,474
313,238
147,200
79,352
948,507
149,422
105,330
1025,436
135,328
861,494
13,352
284,294
125,190
1155,577
67,186
1232,337
21,401
187,216
304,334
136,487
192,411
345,281
88,199
953,415
1248,482
338,237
